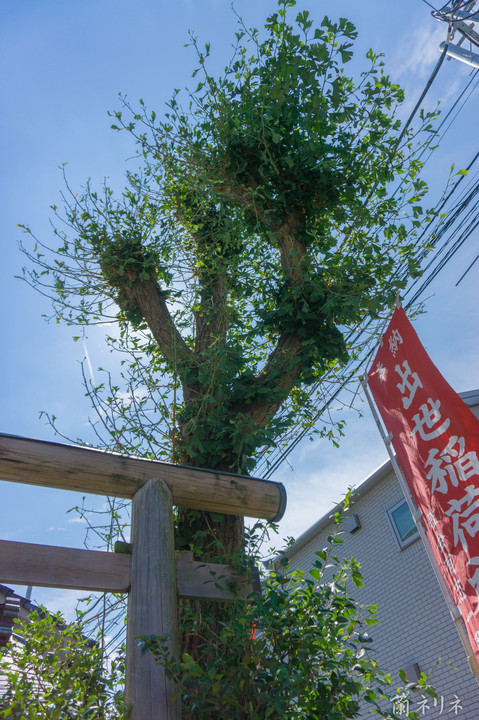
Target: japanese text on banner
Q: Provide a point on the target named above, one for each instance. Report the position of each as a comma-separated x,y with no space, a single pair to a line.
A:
436,440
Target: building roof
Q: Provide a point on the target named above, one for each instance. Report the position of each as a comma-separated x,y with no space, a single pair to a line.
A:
12,607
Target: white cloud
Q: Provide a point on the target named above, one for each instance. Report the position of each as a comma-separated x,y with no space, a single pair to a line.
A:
319,493
128,397
327,472
419,52
87,358
55,600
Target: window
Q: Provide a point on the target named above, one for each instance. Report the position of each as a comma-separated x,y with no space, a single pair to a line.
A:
402,524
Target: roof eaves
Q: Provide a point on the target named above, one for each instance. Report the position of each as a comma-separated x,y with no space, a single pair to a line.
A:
25,603
326,519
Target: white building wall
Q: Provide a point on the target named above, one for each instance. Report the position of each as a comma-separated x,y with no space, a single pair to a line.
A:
414,622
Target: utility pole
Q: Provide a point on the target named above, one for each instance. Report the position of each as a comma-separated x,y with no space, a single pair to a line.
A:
463,21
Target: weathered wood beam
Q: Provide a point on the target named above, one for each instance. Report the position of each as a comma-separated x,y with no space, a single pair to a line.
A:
49,566
212,581
152,604
69,467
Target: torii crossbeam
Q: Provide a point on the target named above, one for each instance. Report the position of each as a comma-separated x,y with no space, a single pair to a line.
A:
151,572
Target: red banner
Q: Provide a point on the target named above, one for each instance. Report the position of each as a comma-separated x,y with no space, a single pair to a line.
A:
436,439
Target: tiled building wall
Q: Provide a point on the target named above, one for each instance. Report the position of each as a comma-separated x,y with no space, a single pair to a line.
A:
415,624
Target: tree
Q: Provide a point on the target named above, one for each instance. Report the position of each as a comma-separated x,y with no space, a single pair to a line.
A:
258,230
260,225
56,672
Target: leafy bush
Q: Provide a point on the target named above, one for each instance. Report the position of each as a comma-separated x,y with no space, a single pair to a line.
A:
299,650
55,673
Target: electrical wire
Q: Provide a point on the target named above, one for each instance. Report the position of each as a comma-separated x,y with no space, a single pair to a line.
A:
467,17
465,273
472,15
410,118
455,214
442,256
473,76
426,89
449,16
357,366
431,6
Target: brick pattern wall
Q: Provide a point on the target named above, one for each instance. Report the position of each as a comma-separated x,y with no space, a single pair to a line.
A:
415,624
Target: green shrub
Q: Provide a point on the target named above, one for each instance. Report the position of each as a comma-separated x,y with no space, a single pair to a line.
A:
55,673
299,650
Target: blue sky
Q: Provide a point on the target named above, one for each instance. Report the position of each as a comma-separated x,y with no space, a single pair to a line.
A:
62,67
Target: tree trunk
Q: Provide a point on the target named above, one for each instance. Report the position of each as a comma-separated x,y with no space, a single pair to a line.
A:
212,538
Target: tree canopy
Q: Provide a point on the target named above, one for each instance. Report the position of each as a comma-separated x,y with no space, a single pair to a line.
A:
270,210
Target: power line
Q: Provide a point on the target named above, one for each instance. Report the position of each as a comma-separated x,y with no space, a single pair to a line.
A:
359,364
431,6
455,215
425,90
465,273
450,243
409,301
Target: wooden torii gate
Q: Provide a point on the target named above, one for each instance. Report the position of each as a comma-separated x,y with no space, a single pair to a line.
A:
152,575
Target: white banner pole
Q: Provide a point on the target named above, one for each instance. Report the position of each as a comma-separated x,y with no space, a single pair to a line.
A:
453,609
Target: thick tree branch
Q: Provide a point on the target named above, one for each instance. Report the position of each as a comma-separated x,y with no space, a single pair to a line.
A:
211,319
283,367
146,295
294,258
